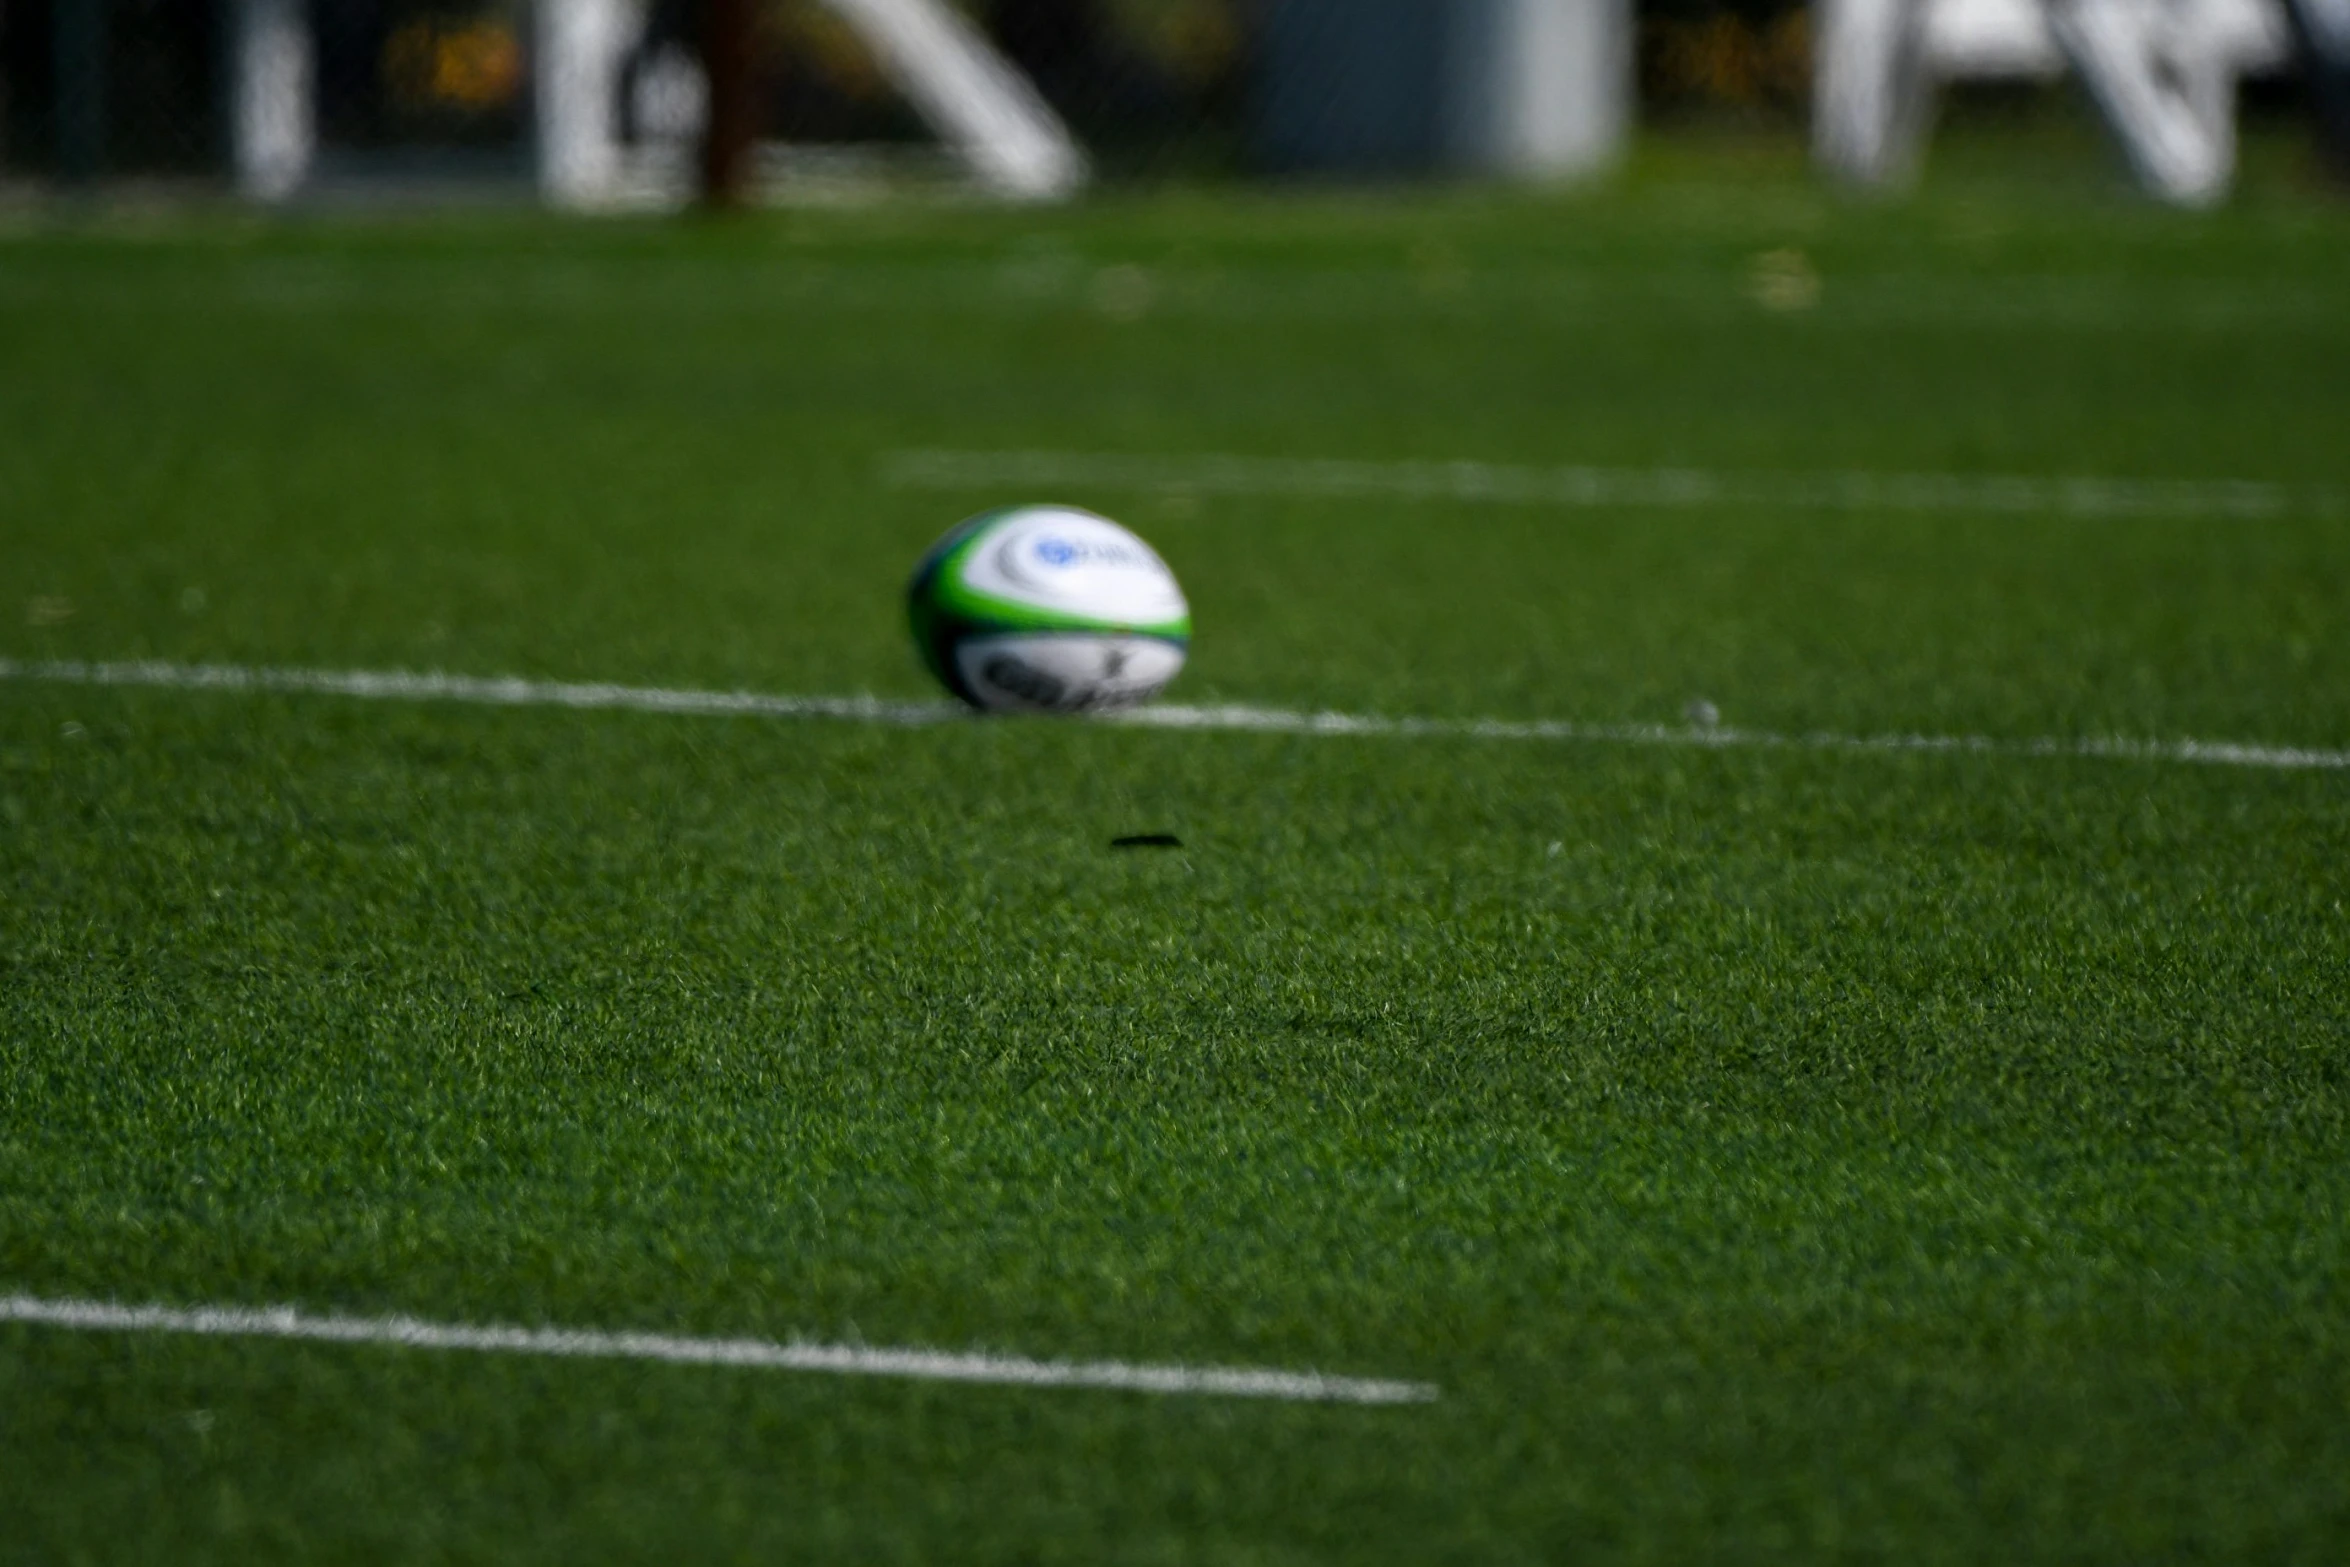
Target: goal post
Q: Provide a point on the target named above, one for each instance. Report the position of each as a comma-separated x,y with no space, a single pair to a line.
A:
273,132
2161,72
972,98
988,115
579,46
975,99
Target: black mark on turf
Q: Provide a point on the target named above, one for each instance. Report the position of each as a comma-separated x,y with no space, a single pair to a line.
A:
1147,840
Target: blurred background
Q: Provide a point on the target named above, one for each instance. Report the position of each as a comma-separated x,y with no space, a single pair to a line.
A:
646,103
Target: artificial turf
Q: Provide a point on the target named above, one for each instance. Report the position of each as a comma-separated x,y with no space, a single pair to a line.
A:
1771,1154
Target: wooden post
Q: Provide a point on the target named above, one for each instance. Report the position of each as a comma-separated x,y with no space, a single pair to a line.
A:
729,46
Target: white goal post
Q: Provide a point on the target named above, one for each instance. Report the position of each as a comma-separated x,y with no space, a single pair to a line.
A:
975,100
273,135
971,95
2162,73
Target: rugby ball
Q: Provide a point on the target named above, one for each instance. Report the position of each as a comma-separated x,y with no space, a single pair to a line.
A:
1048,609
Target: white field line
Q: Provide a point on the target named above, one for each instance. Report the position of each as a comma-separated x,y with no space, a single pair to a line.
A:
398,685
495,691
284,1322
2220,752
1506,484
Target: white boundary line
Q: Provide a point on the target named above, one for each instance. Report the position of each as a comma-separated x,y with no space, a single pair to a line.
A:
1507,484
2223,753
285,1322
496,691
398,685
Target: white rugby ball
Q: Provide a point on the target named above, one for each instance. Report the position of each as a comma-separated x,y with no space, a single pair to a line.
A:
1048,609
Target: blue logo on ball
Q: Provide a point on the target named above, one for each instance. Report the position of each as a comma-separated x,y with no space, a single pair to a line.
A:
1058,552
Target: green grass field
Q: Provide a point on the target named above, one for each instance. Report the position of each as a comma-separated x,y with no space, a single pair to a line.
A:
1772,1154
